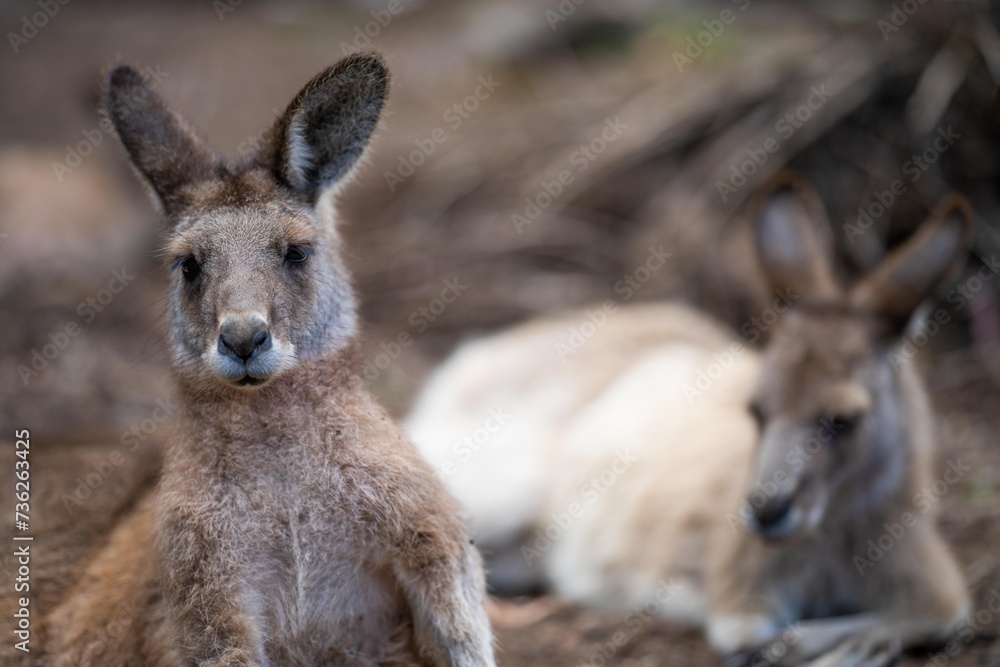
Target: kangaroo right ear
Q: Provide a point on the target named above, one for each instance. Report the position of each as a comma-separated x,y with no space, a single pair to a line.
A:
326,128
164,150
911,272
793,239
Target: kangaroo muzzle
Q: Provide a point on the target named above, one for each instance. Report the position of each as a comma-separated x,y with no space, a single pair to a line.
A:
776,518
243,338
244,353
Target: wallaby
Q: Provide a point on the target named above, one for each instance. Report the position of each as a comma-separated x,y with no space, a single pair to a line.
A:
650,460
293,524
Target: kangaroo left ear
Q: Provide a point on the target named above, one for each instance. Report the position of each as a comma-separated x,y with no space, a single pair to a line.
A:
326,128
164,149
792,236
911,273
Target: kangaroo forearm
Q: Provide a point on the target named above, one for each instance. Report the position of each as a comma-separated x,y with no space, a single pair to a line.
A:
449,600
215,631
209,612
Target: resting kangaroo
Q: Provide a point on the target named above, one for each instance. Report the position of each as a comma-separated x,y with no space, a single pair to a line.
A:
293,524
662,465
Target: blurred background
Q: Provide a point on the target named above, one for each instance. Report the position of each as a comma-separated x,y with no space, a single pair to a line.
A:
532,153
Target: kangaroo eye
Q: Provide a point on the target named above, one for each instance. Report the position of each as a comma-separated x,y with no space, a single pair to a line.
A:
758,415
190,268
296,254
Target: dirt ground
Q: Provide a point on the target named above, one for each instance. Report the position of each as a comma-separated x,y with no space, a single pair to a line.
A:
61,237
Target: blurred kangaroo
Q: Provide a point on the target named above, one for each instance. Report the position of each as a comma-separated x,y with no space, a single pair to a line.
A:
293,524
661,466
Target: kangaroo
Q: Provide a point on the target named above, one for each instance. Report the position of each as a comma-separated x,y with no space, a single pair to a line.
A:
293,524
664,466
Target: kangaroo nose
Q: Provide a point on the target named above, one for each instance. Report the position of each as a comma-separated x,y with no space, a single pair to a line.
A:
243,338
773,519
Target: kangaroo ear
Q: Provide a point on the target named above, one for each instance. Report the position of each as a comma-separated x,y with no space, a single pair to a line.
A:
911,272
325,129
793,239
164,150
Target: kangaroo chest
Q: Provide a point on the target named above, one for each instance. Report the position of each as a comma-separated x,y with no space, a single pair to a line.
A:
313,582
304,568
818,582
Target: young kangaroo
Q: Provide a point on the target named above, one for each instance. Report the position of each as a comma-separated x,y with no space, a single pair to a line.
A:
293,524
663,467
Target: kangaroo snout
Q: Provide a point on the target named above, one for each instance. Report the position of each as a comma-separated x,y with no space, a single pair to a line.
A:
245,352
776,518
241,338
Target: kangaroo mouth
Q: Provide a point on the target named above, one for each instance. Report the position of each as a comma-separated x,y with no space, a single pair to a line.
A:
249,381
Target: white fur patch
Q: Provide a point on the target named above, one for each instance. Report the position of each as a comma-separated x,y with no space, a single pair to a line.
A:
730,633
300,156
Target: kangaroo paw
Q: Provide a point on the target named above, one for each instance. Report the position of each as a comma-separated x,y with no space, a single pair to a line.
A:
861,652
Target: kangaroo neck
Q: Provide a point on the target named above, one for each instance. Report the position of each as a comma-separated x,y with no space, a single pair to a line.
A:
880,489
272,408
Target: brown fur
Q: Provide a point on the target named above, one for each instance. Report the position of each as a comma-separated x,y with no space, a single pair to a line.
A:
293,524
71,520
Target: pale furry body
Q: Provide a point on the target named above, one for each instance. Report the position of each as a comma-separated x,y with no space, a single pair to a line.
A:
567,420
674,520
623,389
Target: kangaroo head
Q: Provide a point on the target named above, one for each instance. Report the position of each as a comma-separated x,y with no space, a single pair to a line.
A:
833,431
258,284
